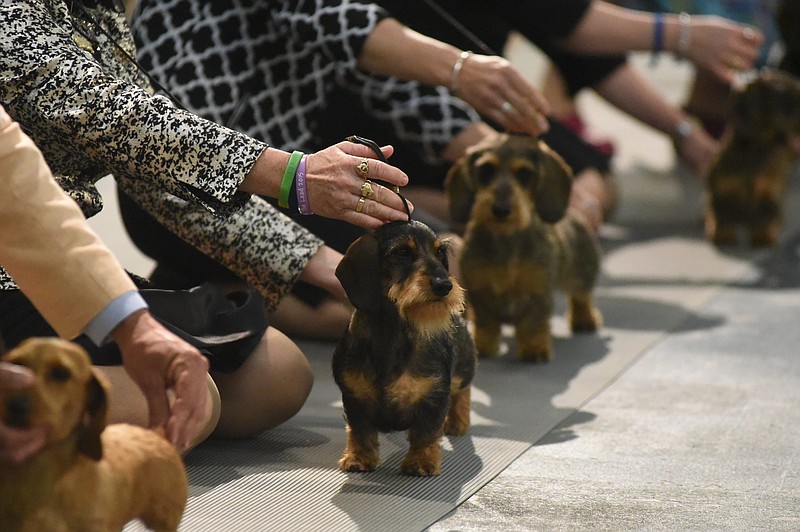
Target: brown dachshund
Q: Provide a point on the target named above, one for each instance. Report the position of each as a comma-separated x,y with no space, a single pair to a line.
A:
746,183
86,478
407,359
512,192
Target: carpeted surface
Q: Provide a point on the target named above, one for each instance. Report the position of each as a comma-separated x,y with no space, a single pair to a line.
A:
288,479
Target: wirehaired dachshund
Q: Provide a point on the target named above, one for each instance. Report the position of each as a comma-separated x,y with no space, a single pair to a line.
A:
88,477
521,243
406,361
746,182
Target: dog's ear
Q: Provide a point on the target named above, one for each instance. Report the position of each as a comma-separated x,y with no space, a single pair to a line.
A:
460,188
553,186
359,273
94,421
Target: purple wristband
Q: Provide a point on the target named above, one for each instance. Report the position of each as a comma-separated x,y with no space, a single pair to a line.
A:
302,193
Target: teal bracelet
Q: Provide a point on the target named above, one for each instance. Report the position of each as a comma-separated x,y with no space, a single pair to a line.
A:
288,178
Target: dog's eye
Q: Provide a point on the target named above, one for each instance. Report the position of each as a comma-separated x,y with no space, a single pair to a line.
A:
60,373
403,252
525,175
485,173
441,254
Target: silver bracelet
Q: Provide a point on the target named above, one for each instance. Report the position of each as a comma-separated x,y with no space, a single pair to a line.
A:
684,34
457,70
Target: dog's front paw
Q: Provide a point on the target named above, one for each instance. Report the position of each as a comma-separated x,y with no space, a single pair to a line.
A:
364,462
538,348
425,462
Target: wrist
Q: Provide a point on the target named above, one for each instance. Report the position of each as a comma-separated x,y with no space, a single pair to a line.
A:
455,75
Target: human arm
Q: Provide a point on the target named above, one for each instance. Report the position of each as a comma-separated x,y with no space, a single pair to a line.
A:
628,90
72,278
485,82
715,44
119,128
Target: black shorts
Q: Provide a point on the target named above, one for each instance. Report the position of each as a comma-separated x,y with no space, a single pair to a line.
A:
226,328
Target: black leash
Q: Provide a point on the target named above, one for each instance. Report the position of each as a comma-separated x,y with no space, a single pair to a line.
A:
377,149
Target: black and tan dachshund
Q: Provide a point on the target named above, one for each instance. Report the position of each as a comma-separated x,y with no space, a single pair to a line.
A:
747,181
407,360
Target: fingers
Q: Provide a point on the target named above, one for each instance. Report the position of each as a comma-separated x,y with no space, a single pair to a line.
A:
377,168
15,377
188,383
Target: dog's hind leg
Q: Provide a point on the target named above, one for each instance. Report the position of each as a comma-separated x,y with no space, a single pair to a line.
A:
361,453
583,316
457,421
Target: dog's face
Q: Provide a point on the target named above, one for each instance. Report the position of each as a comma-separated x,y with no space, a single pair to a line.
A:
68,396
508,181
768,110
406,264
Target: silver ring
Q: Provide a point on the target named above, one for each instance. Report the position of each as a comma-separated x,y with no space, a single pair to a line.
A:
748,34
506,107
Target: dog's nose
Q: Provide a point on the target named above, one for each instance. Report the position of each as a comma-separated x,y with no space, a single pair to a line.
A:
441,286
18,410
501,211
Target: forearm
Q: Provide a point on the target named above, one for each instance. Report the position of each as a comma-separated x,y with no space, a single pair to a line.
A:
393,49
632,93
609,29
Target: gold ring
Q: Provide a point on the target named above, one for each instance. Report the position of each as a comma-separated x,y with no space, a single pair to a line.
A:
360,204
366,189
363,168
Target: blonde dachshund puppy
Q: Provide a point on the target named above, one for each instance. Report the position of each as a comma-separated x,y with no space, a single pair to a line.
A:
747,181
89,477
512,192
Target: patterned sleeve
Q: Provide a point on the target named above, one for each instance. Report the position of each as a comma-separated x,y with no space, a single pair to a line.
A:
70,104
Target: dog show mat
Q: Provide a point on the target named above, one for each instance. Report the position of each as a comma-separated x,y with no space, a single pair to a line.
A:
288,480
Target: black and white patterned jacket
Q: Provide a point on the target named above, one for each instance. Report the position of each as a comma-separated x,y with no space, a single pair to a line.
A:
92,113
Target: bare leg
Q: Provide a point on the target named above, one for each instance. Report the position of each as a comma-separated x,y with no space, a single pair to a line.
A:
127,404
269,388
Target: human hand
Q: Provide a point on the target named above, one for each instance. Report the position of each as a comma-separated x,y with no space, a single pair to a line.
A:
158,362
334,185
722,47
497,90
17,444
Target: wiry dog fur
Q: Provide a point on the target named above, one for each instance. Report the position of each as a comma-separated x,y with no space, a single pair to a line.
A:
746,183
407,359
512,192
86,478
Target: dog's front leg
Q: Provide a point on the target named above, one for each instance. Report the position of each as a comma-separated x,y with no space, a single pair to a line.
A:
361,453
424,457
583,316
457,421
534,341
487,334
